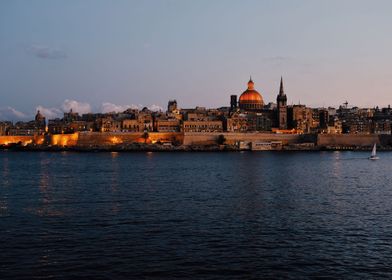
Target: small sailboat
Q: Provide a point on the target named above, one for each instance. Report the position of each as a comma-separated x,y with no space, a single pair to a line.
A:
373,155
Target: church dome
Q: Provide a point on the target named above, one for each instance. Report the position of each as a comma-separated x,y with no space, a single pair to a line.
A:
251,99
39,116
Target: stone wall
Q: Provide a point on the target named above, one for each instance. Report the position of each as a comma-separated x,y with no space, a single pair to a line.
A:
68,140
347,140
5,140
106,138
232,138
193,138
88,139
94,138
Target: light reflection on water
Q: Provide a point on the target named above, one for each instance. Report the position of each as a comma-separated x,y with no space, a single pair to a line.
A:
115,208
196,215
4,185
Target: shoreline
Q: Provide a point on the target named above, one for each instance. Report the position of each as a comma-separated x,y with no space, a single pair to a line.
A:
195,142
180,149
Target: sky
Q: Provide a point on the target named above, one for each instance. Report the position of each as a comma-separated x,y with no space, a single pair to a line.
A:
105,55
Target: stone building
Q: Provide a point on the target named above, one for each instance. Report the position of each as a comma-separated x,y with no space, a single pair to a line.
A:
248,122
237,122
202,126
146,121
71,116
300,118
4,127
168,125
131,125
109,124
35,127
323,115
334,126
172,106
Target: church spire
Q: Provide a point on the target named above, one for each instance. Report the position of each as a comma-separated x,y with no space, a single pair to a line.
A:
282,106
281,96
281,90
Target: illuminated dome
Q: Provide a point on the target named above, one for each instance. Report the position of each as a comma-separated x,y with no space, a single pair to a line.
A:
251,99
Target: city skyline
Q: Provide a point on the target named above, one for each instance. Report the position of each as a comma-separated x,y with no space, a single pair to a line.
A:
69,105
98,56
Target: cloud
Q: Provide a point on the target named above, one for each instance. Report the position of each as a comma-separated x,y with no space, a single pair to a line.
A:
155,108
66,106
76,106
108,107
46,52
11,114
49,113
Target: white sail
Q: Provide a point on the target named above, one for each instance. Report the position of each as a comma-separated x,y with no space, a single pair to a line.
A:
373,156
374,150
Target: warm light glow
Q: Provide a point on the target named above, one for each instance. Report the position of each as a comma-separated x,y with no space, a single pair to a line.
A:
39,141
64,139
114,154
27,142
116,140
24,140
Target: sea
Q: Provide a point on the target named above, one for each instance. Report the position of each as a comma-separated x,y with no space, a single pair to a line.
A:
206,215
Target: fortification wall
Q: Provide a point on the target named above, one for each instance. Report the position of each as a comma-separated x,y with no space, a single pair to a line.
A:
342,140
5,140
68,140
88,139
106,138
193,138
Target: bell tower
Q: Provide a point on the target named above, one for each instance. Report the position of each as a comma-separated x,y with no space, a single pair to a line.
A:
281,100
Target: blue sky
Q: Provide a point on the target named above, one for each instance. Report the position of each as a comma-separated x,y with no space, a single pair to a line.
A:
102,55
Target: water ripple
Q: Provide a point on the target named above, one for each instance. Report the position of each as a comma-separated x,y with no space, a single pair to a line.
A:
195,216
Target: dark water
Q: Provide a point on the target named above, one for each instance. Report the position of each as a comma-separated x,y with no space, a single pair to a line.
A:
195,215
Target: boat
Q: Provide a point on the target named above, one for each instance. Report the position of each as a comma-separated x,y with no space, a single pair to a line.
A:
374,155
